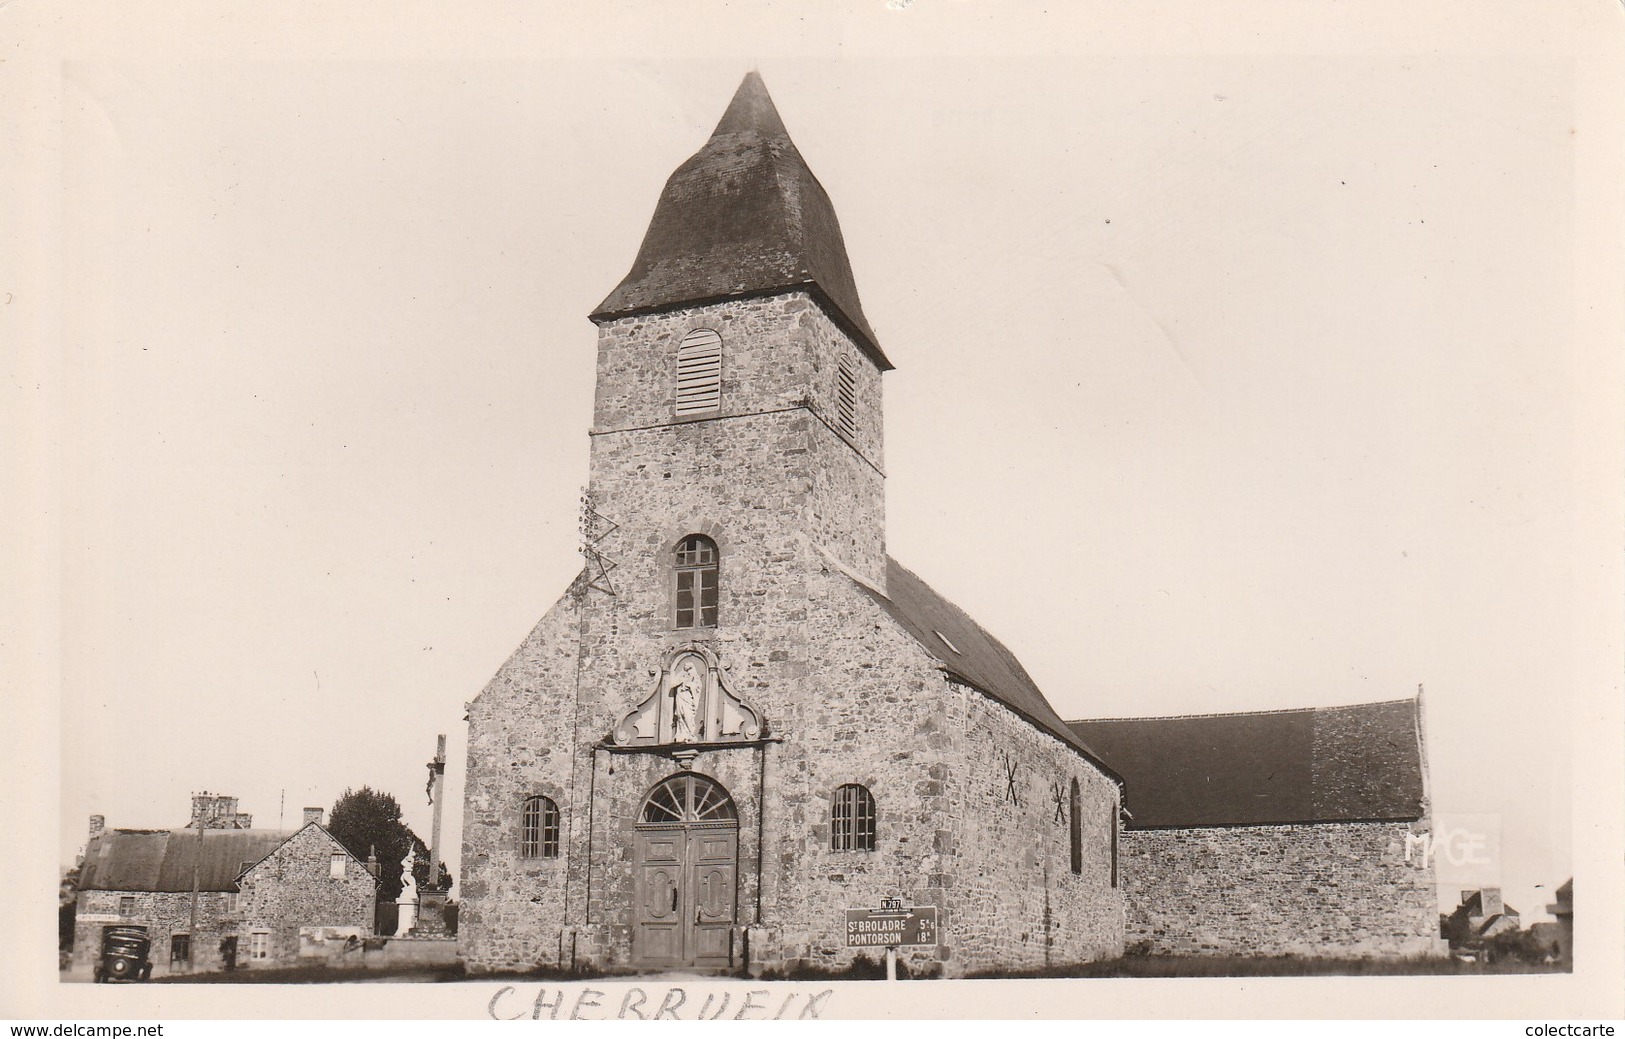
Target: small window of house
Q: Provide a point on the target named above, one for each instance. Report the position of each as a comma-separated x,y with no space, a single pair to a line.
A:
180,948
1075,818
699,373
539,829
846,398
126,905
335,865
695,566
852,819
259,945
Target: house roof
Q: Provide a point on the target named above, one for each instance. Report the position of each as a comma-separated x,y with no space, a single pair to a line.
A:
1317,764
744,216
969,654
250,866
164,860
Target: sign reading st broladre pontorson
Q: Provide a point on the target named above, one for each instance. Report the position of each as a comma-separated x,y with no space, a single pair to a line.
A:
892,924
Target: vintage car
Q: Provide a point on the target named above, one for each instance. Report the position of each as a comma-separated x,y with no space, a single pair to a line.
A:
124,954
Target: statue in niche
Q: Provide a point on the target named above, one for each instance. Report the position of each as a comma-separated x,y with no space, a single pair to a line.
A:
686,726
690,703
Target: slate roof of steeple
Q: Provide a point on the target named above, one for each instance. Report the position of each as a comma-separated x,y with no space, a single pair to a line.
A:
744,217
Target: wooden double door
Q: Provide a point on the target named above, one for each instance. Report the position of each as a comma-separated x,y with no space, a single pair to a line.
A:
687,875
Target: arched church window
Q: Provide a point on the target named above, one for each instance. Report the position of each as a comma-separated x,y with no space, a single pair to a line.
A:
1075,817
539,828
852,819
695,565
699,372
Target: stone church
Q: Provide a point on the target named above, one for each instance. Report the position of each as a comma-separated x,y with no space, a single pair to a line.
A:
744,717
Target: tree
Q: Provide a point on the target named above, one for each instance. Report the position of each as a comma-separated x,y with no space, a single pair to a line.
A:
368,821
67,907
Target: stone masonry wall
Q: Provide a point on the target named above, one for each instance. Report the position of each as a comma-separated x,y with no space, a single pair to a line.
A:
778,360
521,740
868,711
1017,901
1311,889
878,711
164,914
293,888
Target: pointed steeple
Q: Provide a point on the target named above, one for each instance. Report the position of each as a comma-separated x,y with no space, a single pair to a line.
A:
744,217
751,110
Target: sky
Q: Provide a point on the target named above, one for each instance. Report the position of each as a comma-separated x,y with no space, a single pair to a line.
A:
1239,366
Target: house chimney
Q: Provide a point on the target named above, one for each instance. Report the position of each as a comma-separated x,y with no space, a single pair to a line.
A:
98,823
372,859
313,815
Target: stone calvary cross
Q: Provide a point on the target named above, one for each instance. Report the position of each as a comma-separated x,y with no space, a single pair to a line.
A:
431,920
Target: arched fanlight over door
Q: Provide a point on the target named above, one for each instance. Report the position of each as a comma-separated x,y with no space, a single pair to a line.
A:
689,799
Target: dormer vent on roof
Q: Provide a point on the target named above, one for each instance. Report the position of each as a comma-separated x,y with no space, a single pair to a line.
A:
744,217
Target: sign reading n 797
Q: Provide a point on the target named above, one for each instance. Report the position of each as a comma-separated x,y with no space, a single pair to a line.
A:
893,925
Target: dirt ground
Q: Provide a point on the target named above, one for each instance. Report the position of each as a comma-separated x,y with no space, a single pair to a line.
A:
1124,967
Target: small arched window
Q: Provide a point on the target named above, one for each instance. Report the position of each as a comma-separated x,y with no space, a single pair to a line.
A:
699,373
695,566
1075,817
852,819
539,829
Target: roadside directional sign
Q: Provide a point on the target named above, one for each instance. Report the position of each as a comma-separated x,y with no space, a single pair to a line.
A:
891,925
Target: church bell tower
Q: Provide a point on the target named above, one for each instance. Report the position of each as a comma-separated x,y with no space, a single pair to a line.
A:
738,385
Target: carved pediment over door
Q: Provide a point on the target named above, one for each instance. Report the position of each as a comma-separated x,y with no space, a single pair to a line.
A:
691,703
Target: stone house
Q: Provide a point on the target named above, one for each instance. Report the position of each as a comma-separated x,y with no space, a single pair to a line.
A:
1481,915
305,893
1276,832
744,718
1563,910
148,878
254,889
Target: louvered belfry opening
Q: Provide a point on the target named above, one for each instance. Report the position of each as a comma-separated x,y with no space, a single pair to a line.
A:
846,398
699,373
